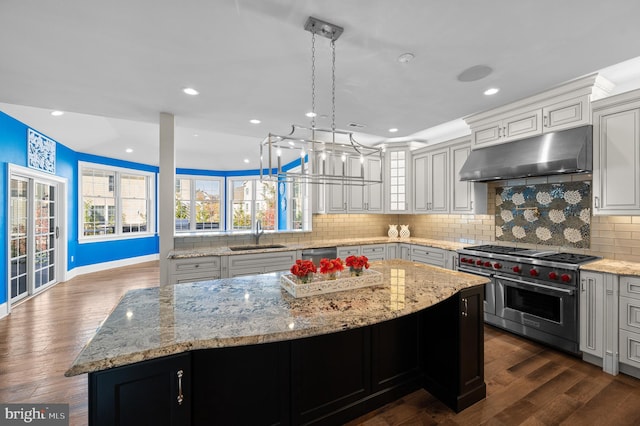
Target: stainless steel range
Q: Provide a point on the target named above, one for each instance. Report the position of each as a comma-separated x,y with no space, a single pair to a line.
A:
532,293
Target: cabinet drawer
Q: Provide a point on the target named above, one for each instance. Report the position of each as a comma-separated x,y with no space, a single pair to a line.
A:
630,287
195,277
374,251
429,255
343,252
195,265
629,313
630,348
273,261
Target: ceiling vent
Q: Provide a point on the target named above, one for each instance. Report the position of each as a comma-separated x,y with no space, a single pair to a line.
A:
357,126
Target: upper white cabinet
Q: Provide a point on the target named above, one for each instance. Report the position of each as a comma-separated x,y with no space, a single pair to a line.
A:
430,180
560,108
397,179
436,184
616,155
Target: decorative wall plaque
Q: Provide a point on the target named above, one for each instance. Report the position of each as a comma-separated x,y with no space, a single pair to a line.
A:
41,152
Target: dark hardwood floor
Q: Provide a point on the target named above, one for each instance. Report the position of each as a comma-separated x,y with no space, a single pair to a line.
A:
527,383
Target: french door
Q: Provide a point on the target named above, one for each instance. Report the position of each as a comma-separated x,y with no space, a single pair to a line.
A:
33,222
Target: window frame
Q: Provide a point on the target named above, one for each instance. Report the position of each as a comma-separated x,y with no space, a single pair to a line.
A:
192,212
254,188
150,181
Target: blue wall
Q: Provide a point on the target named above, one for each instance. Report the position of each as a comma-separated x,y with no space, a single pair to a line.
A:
13,143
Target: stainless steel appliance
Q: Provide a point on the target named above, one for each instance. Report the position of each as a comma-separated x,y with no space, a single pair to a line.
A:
315,254
533,293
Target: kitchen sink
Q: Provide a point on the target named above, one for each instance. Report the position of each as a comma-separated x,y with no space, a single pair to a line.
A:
258,247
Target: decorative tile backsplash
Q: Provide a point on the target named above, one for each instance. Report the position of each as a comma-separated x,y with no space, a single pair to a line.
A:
556,214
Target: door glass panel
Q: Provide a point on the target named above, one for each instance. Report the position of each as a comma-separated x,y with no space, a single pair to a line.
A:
18,240
44,233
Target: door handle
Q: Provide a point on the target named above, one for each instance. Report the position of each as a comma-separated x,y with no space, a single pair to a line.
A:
180,394
57,232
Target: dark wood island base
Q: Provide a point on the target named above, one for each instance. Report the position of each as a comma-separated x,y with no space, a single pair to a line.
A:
325,379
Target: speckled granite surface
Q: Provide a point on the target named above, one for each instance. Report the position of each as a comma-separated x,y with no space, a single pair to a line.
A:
225,251
154,322
618,267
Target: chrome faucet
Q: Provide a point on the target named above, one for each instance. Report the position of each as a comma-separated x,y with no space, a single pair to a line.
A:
259,231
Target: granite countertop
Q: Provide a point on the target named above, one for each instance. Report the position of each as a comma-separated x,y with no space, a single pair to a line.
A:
154,322
225,251
619,267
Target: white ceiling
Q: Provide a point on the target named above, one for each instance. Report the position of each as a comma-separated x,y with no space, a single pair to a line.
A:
114,66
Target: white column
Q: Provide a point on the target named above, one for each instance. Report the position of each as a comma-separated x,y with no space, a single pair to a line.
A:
166,188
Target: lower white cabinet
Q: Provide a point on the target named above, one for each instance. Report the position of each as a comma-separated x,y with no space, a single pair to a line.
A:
345,251
451,260
374,251
629,312
428,255
194,269
592,313
257,263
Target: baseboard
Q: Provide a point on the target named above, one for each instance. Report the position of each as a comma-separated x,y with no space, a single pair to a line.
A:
4,310
97,267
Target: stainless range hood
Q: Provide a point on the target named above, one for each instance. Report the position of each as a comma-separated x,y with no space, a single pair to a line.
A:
566,151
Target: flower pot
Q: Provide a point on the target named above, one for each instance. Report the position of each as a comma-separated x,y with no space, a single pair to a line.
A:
305,279
355,272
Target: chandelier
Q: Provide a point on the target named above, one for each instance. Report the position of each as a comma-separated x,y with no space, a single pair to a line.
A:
328,156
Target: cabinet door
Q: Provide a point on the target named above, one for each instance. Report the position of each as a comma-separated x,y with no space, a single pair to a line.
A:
487,134
522,125
471,340
462,195
396,180
420,173
438,183
567,114
336,201
592,313
373,251
393,251
155,392
616,161
373,191
356,201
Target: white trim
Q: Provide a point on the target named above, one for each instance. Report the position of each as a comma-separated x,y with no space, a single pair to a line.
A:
223,211
4,310
97,267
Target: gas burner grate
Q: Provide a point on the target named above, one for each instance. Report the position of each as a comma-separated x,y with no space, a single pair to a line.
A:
572,258
495,249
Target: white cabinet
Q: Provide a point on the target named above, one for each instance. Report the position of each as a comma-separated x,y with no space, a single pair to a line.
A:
194,269
436,181
629,312
430,181
428,255
374,251
592,313
345,251
397,182
368,197
257,263
562,107
451,260
616,155
466,197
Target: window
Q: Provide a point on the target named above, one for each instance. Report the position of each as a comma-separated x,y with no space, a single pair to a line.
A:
198,203
115,202
250,200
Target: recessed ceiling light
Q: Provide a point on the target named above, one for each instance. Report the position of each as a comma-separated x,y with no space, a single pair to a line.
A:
57,113
311,114
195,135
190,91
406,57
254,121
246,160
491,91
393,130
129,150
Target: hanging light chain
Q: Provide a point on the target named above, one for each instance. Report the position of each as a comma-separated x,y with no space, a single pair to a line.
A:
333,85
313,80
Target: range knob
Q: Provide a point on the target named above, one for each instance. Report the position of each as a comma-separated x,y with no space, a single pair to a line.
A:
553,275
487,264
534,272
517,269
479,262
565,278
463,259
497,266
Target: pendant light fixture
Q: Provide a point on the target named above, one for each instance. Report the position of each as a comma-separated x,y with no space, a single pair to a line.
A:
324,155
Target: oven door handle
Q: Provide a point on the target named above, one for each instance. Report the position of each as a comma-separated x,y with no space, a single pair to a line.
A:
545,287
484,274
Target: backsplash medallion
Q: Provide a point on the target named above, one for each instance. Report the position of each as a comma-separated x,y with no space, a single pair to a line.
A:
556,214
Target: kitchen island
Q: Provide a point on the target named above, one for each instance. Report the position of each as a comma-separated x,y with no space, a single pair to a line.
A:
243,351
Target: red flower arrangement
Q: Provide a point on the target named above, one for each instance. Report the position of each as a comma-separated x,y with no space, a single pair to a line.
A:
331,267
356,263
303,270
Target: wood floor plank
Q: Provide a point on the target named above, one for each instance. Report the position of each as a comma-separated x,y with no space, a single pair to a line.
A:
527,383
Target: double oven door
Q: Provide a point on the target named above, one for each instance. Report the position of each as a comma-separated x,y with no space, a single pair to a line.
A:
546,312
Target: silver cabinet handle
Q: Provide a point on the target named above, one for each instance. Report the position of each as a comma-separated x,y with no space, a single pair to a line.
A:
582,288
180,395
465,310
544,121
499,130
596,202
